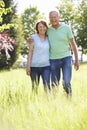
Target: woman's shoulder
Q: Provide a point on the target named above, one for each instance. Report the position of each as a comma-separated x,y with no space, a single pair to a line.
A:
33,35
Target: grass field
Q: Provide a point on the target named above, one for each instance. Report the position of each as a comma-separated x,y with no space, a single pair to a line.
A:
20,109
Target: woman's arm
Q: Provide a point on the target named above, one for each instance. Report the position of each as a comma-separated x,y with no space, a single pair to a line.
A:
29,58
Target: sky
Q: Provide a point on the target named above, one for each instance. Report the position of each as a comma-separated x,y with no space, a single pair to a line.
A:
44,6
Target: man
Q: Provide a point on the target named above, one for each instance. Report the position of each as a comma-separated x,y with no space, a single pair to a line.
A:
61,42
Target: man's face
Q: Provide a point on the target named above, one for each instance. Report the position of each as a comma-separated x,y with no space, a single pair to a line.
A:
54,18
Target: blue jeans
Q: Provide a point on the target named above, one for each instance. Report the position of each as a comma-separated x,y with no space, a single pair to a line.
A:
44,72
64,65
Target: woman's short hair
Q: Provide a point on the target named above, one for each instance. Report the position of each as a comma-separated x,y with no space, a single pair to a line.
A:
42,22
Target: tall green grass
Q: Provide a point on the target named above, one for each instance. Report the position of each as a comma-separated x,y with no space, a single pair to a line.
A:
20,109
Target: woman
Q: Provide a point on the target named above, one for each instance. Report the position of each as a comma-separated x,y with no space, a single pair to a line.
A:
38,58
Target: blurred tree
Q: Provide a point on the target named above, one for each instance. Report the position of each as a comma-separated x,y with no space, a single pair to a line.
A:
74,13
8,17
66,10
29,19
7,23
20,35
81,27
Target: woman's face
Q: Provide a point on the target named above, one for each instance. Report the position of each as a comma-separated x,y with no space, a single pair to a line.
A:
42,28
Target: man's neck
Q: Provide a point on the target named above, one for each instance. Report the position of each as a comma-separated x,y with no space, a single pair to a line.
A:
56,26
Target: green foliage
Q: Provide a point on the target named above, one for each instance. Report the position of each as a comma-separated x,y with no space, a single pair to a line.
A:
19,33
66,11
3,11
6,23
29,19
81,26
75,14
20,109
7,26
7,18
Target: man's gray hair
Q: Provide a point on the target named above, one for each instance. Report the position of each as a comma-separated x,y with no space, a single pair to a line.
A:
54,10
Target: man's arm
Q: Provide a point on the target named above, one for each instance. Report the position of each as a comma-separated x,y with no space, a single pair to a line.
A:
75,51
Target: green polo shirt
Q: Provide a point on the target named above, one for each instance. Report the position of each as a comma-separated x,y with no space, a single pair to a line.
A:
59,41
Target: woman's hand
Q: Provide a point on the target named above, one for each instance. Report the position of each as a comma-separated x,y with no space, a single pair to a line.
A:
28,70
30,40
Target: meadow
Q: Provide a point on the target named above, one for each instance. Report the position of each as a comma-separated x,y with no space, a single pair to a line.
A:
20,109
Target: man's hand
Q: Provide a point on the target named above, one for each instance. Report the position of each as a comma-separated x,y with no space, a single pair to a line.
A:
76,65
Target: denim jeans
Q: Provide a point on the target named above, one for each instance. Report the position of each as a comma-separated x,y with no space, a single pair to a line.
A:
64,65
44,72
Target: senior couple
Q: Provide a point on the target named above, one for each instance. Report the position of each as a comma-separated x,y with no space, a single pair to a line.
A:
50,53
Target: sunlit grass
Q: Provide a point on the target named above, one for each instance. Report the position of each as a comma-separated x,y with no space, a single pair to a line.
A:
20,109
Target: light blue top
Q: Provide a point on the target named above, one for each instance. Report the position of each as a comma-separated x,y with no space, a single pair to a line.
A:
40,57
59,41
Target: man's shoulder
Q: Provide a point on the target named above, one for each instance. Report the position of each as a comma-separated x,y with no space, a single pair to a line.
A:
49,28
64,25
